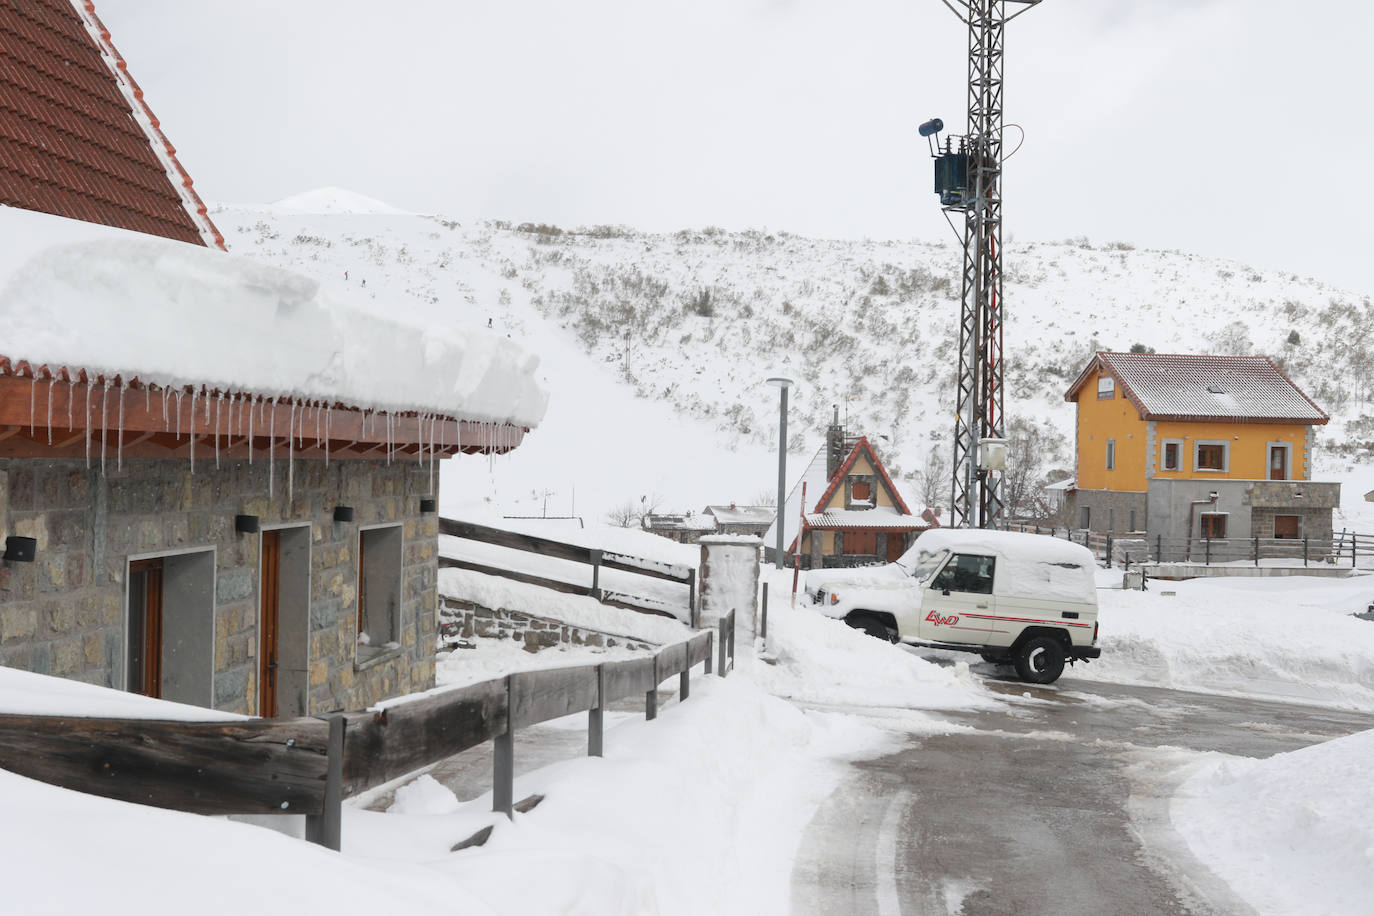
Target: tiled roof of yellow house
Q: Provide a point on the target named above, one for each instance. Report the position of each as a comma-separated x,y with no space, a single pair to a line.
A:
1236,389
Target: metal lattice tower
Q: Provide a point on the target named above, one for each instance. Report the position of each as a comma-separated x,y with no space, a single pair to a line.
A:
976,501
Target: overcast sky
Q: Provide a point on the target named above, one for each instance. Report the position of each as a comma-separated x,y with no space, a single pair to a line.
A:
1223,127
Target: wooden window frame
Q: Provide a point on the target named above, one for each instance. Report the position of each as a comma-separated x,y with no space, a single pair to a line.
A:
1164,455
1224,445
1217,520
1111,454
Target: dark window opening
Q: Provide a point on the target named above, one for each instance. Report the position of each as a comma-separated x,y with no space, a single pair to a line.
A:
966,573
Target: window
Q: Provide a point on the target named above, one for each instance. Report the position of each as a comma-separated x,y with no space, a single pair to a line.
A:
1213,524
1287,527
1111,454
1106,388
1085,514
860,490
170,627
1132,519
1278,461
966,573
379,591
1172,455
1211,456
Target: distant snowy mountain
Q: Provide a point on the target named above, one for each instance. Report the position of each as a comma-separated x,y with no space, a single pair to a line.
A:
657,345
334,201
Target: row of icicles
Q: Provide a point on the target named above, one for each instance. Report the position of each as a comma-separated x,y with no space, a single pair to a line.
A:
253,411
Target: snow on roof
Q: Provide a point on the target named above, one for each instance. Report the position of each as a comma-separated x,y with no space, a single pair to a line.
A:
335,200
876,517
82,296
1030,565
814,480
1066,484
1234,388
742,515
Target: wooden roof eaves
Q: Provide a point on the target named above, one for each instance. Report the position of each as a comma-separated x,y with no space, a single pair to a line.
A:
844,469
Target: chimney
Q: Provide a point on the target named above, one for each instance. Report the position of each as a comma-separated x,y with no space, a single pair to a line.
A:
834,445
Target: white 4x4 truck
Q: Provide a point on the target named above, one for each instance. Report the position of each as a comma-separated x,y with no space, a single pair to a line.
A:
1027,599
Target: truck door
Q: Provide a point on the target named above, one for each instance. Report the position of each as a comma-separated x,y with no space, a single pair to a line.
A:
958,606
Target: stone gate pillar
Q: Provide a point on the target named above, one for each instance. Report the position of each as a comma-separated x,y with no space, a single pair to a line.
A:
729,578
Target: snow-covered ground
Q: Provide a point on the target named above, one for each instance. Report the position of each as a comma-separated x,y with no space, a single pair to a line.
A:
702,809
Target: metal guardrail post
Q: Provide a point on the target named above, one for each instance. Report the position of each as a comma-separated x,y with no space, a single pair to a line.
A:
1207,555
684,684
1353,539
596,720
326,828
1257,550
1159,548
1109,551
596,574
1304,551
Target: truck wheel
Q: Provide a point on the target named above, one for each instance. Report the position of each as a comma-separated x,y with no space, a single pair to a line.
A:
1040,660
873,627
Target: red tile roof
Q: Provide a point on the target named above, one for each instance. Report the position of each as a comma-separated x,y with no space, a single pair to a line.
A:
1234,389
72,143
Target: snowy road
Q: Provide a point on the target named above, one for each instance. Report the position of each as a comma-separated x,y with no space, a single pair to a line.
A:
1057,803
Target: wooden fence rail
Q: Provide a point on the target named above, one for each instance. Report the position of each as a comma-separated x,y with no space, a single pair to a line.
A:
596,558
309,765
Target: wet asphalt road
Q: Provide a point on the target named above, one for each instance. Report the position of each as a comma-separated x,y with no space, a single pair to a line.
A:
1055,804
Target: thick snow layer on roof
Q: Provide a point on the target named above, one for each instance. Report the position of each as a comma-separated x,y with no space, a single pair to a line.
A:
743,515
112,302
1029,565
876,517
1232,387
814,480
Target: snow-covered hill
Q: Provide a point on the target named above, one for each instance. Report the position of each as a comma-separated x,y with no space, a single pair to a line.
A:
656,346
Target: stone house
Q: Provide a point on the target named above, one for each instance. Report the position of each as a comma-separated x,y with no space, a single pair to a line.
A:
217,485
1196,447
844,510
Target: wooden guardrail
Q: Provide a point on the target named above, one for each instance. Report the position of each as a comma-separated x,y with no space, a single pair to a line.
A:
309,765
597,558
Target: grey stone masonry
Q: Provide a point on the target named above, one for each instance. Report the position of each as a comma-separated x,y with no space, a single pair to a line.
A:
1109,511
460,619
65,614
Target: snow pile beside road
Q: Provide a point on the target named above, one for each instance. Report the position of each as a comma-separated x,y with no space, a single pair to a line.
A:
820,660
699,811
1294,834
1284,637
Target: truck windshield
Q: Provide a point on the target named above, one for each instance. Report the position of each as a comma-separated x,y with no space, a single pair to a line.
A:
927,563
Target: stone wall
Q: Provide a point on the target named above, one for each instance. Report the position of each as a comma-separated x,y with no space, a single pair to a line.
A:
464,620
66,613
1110,511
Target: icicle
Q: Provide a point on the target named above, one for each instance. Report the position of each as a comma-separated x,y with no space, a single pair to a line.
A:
434,422
328,418
250,429
219,408
119,452
90,383
271,448
179,395
319,422
52,380
291,454
207,408
166,421
148,398
191,430
33,401
104,400
71,399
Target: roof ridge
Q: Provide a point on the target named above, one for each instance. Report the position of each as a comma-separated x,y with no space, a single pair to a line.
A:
162,148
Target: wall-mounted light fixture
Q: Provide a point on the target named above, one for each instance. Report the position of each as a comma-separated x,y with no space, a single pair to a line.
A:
246,524
428,504
343,513
20,549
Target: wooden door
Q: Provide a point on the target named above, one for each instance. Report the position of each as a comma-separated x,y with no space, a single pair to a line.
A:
896,545
145,627
269,623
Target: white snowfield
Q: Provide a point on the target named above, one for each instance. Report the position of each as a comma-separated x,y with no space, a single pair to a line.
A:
702,810
78,295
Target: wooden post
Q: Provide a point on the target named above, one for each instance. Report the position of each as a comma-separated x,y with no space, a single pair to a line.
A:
326,828
693,612
684,686
724,643
651,696
763,628
710,650
503,773
596,574
596,723
1109,551
1353,539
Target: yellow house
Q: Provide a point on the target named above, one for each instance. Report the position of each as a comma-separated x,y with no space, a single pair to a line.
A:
845,510
1196,446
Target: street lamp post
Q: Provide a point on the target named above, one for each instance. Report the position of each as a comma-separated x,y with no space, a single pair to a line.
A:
782,384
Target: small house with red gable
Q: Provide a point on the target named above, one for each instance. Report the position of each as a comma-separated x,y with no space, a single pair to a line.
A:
845,509
218,484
